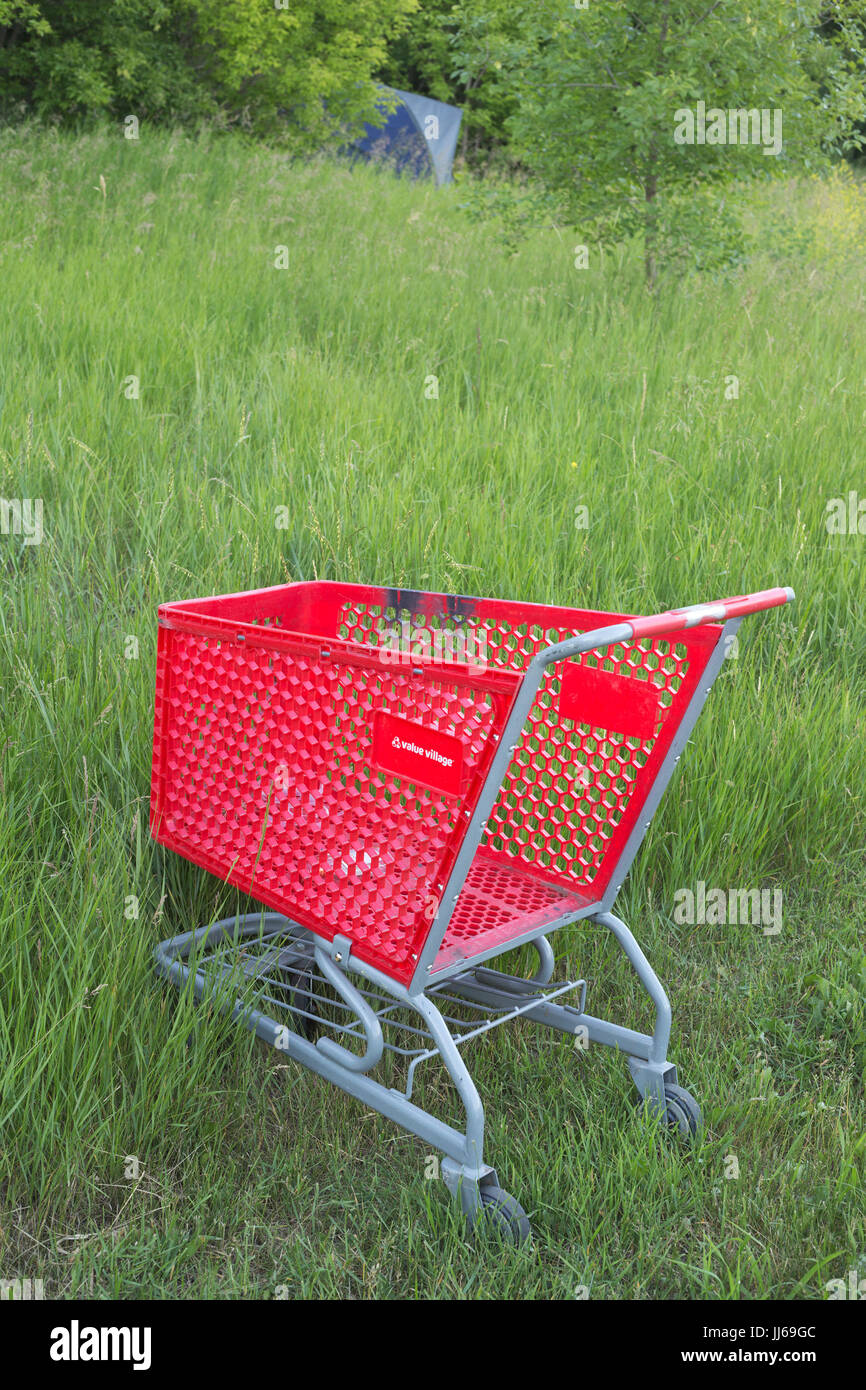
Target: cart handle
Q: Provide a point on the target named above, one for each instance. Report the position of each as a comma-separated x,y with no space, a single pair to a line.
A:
719,611
674,620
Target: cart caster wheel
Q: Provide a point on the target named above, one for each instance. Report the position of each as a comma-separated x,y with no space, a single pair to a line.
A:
682,1113
502,1216
300,987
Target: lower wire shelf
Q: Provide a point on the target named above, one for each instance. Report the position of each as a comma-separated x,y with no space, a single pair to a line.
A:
292,989
276,973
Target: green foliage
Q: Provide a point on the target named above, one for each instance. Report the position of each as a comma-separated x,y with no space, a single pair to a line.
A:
68,58
600,93
179,59
257,59
583,99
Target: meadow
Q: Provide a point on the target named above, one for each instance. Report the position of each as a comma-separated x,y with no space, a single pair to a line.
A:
198,337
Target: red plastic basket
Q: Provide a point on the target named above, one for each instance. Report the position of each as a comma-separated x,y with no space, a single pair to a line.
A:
322,746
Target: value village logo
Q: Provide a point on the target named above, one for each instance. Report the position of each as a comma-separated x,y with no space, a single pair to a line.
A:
407,746
418,753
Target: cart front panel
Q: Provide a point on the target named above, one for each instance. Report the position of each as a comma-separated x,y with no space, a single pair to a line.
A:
330,786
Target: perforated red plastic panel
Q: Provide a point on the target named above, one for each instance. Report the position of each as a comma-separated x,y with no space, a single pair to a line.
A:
499,902
264,773
574,789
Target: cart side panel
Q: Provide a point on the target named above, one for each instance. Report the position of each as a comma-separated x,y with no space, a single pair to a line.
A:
266,774
580,777
595,737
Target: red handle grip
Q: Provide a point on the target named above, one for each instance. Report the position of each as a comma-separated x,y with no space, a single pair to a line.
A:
677,618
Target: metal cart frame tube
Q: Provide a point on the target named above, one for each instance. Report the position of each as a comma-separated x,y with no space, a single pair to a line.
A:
463,1166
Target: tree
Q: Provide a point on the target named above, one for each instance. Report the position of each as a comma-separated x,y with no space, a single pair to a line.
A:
631,113
181,59
69,58
316,59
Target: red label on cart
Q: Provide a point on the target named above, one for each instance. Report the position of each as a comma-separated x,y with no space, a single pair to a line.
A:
419,754
620,704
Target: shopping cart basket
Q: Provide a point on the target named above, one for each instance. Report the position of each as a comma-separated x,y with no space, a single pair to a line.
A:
412,784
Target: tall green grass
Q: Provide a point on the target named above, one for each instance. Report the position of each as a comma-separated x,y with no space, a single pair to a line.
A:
309,388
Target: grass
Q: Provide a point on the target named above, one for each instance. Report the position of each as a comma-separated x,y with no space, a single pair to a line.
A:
309,389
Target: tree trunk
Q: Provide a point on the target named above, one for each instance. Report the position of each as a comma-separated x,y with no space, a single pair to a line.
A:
650,225
650,186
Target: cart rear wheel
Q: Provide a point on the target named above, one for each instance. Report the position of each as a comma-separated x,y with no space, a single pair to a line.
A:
682,1114
300,995
501,1216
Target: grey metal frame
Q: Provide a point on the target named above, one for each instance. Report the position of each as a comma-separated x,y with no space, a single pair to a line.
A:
463,1167
507,996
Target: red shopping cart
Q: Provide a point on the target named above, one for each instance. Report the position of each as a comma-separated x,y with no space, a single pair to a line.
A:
412,784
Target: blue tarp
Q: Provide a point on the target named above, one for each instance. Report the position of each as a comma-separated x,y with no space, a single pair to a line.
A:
419,135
